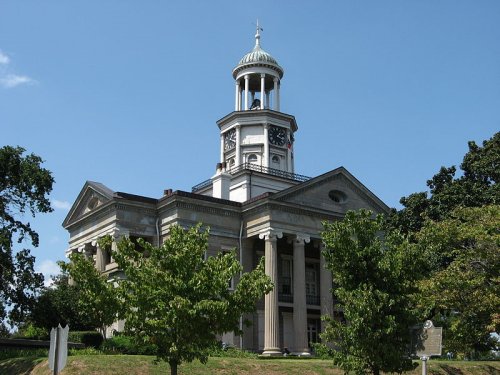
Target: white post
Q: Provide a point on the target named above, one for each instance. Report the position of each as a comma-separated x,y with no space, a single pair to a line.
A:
247,83
262,90
424,364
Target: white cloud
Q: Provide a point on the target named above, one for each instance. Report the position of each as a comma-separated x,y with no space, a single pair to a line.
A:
4,59
61,205
48,268
13,80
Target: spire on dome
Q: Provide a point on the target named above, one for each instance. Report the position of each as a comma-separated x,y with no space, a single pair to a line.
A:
257,34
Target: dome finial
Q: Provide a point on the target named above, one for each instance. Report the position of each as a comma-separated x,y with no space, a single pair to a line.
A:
257,34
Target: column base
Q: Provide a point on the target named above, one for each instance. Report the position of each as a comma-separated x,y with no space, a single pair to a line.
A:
272,352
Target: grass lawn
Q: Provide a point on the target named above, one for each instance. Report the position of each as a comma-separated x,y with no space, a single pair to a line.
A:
143,365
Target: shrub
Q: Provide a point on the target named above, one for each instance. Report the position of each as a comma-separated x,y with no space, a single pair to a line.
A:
88,338
321,351
32,332
124,344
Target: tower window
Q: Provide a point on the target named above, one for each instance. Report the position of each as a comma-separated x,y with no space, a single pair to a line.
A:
231,163
252,158
276,159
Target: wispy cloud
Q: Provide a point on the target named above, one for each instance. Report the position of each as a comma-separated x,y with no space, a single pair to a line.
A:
9,79
48,268
4,59
61,205
14,80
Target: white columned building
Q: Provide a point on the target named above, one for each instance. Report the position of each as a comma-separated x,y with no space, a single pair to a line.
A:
255,202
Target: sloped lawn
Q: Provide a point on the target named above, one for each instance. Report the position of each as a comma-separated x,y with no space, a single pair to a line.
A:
143,365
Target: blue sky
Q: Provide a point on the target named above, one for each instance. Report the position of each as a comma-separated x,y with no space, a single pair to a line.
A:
127,93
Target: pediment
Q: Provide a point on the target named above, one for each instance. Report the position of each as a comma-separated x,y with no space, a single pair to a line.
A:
337,191
92,196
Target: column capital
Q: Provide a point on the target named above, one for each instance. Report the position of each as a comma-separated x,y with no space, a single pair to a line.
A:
302,238
238,126
276,79
266,125
246,76
262,75
270,234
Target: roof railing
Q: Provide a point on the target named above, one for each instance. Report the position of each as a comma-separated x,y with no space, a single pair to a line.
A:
255,168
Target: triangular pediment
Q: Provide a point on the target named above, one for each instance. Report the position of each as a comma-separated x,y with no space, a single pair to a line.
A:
92,196
337,191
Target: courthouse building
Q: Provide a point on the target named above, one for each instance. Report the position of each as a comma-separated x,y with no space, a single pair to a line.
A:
255,202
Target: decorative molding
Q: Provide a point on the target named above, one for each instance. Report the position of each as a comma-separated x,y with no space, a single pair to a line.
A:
270,234
301,238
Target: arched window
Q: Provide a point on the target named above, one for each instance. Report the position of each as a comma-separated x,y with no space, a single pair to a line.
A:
276,160
231,163
252,158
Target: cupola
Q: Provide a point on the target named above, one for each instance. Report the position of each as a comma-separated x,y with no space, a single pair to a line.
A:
257,77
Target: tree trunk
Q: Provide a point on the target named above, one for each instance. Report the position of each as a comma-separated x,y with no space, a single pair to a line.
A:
173,367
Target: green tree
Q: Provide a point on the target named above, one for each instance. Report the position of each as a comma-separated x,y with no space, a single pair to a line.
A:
24,189
476,187
463,291
97,295
375,283
180,301
58,303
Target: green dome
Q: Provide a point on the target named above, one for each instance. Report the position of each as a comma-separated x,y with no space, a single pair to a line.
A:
256,56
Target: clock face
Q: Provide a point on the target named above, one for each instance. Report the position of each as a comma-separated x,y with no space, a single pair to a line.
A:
230,139
277,136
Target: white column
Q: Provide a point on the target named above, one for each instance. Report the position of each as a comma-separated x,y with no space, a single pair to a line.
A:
276,96
87,251
262,90
222,148
247,82
99,257
268,94
301,346
239,97
237,159
265,161
236,97
325,285
289,152
271,317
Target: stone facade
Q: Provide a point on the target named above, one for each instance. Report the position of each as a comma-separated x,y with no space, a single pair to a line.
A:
254,203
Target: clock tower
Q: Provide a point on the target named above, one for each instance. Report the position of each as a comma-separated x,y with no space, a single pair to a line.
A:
256,139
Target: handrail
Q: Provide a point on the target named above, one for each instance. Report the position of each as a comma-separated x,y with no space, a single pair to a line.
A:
256,168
